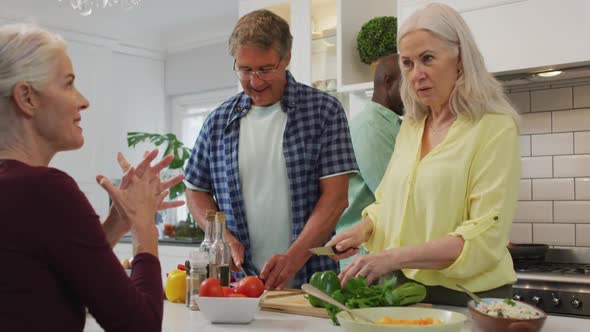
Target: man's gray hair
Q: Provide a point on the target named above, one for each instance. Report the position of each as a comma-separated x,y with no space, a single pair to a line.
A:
263,29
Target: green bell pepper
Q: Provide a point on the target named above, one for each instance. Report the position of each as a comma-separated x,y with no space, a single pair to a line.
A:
327,282
408,293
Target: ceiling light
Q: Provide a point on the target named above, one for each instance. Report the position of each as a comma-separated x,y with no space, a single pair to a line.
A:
550,73
85,7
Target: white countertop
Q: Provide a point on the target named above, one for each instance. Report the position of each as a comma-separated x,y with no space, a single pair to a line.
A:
177,318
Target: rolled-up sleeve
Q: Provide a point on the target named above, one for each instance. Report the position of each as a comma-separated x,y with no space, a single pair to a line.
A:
337,153
197,174
493,189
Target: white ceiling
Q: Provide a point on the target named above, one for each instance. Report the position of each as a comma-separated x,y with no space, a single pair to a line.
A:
160,25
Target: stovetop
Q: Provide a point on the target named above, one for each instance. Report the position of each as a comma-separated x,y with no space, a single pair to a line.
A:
560,268
559,285
565,272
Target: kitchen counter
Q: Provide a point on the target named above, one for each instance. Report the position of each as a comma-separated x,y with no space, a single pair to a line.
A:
177,318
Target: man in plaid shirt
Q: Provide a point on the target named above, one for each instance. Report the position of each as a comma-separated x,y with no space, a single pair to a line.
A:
275,158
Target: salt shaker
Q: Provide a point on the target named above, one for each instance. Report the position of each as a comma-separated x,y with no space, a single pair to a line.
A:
198,262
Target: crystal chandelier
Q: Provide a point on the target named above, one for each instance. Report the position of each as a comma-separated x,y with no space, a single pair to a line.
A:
85,7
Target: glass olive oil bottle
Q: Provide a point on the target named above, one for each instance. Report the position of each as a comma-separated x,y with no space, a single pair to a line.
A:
220,253
209,228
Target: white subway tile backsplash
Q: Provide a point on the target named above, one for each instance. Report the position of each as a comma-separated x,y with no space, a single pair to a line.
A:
521,100
572,212
551,99
536,167
571,166
582,142
582,188
555,234
534,212
554,195
553,189
583,235
582,96
525,146
572,120
552,144
521,233
525,192
536,123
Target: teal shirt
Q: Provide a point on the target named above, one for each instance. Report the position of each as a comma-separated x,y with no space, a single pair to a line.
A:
373,134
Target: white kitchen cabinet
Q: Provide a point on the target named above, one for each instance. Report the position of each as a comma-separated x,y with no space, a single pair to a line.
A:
324,53
352,14
523,34
313,26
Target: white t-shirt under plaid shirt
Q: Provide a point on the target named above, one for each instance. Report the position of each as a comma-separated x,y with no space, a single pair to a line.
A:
265,186
316,145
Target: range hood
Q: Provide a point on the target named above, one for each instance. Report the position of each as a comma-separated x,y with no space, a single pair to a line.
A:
529,76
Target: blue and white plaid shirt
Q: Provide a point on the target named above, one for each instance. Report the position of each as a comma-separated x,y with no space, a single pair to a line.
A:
316,144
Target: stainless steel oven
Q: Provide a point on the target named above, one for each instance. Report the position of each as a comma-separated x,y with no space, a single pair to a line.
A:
558,284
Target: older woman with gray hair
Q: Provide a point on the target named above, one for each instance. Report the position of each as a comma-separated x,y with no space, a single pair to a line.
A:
58,256
444,209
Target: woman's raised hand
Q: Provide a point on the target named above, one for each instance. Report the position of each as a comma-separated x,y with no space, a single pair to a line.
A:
141,193
143,166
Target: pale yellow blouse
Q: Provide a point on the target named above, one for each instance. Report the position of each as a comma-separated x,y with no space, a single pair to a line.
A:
466,186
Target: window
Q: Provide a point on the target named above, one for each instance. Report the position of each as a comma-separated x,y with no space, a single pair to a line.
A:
188,116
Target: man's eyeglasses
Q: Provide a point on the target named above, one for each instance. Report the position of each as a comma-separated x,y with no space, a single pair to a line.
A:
263,74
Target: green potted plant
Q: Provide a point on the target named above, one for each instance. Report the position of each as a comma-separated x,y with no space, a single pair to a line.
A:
186,229
377,38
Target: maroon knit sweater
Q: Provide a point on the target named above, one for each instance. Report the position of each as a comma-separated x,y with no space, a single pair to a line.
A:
56,260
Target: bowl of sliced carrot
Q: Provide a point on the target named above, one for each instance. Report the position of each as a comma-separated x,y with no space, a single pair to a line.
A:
398,319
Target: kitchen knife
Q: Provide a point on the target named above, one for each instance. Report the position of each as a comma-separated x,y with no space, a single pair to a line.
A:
330,251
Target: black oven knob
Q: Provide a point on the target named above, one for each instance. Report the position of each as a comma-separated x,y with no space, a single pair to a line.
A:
556,301
576,304
517,297
536,300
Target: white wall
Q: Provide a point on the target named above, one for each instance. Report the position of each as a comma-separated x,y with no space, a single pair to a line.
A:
125,88
200,69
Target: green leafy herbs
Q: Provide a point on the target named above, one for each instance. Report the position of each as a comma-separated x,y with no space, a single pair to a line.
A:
173,146
357,294
509,302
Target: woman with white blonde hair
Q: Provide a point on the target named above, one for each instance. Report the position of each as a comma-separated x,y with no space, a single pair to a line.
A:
58,256
444,209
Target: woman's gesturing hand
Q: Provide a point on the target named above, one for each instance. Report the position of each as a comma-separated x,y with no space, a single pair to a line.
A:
141,193
125,166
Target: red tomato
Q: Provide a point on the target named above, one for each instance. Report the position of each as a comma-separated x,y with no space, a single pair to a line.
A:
210,287
236,295
250,286
227,291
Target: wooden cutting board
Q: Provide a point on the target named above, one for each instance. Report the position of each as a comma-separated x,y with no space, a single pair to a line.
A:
291,301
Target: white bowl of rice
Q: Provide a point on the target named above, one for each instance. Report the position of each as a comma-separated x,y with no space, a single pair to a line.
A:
493,314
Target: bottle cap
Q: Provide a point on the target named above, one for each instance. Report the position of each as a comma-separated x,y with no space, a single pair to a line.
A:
220,217
210,215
